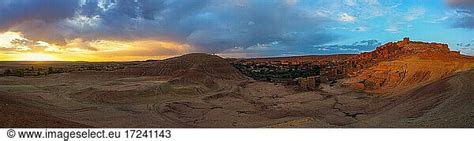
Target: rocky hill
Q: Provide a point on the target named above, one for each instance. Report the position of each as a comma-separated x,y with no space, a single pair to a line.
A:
406,64
396,50
405,48
443,103
195,68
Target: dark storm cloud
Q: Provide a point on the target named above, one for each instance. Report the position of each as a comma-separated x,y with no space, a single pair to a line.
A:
35,17
14,12
256,22
208,25
465,11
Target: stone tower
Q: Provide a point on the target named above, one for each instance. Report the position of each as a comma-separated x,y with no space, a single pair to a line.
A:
406,40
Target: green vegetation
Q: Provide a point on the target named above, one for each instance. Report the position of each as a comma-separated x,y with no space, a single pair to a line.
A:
31,71
269,72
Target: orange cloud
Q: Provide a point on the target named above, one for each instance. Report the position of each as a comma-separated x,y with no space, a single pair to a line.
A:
80,50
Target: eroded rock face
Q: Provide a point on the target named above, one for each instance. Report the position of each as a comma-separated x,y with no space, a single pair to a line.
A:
406,73
386,75
391,51
396,50
404,64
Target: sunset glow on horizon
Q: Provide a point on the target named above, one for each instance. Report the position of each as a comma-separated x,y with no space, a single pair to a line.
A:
19,48
36,57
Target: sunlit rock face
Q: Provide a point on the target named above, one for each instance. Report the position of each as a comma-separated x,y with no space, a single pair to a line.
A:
405,64
394,50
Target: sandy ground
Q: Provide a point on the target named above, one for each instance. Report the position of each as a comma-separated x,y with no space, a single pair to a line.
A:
107,100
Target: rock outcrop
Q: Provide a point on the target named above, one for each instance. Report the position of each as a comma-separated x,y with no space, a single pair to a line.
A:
404,64
404,48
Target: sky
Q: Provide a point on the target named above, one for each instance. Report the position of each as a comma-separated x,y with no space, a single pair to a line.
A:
129,30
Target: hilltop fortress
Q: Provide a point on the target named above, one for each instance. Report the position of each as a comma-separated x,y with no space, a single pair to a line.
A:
400,49
394,50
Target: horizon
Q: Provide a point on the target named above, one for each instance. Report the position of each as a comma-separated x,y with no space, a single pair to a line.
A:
125,31
258,57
